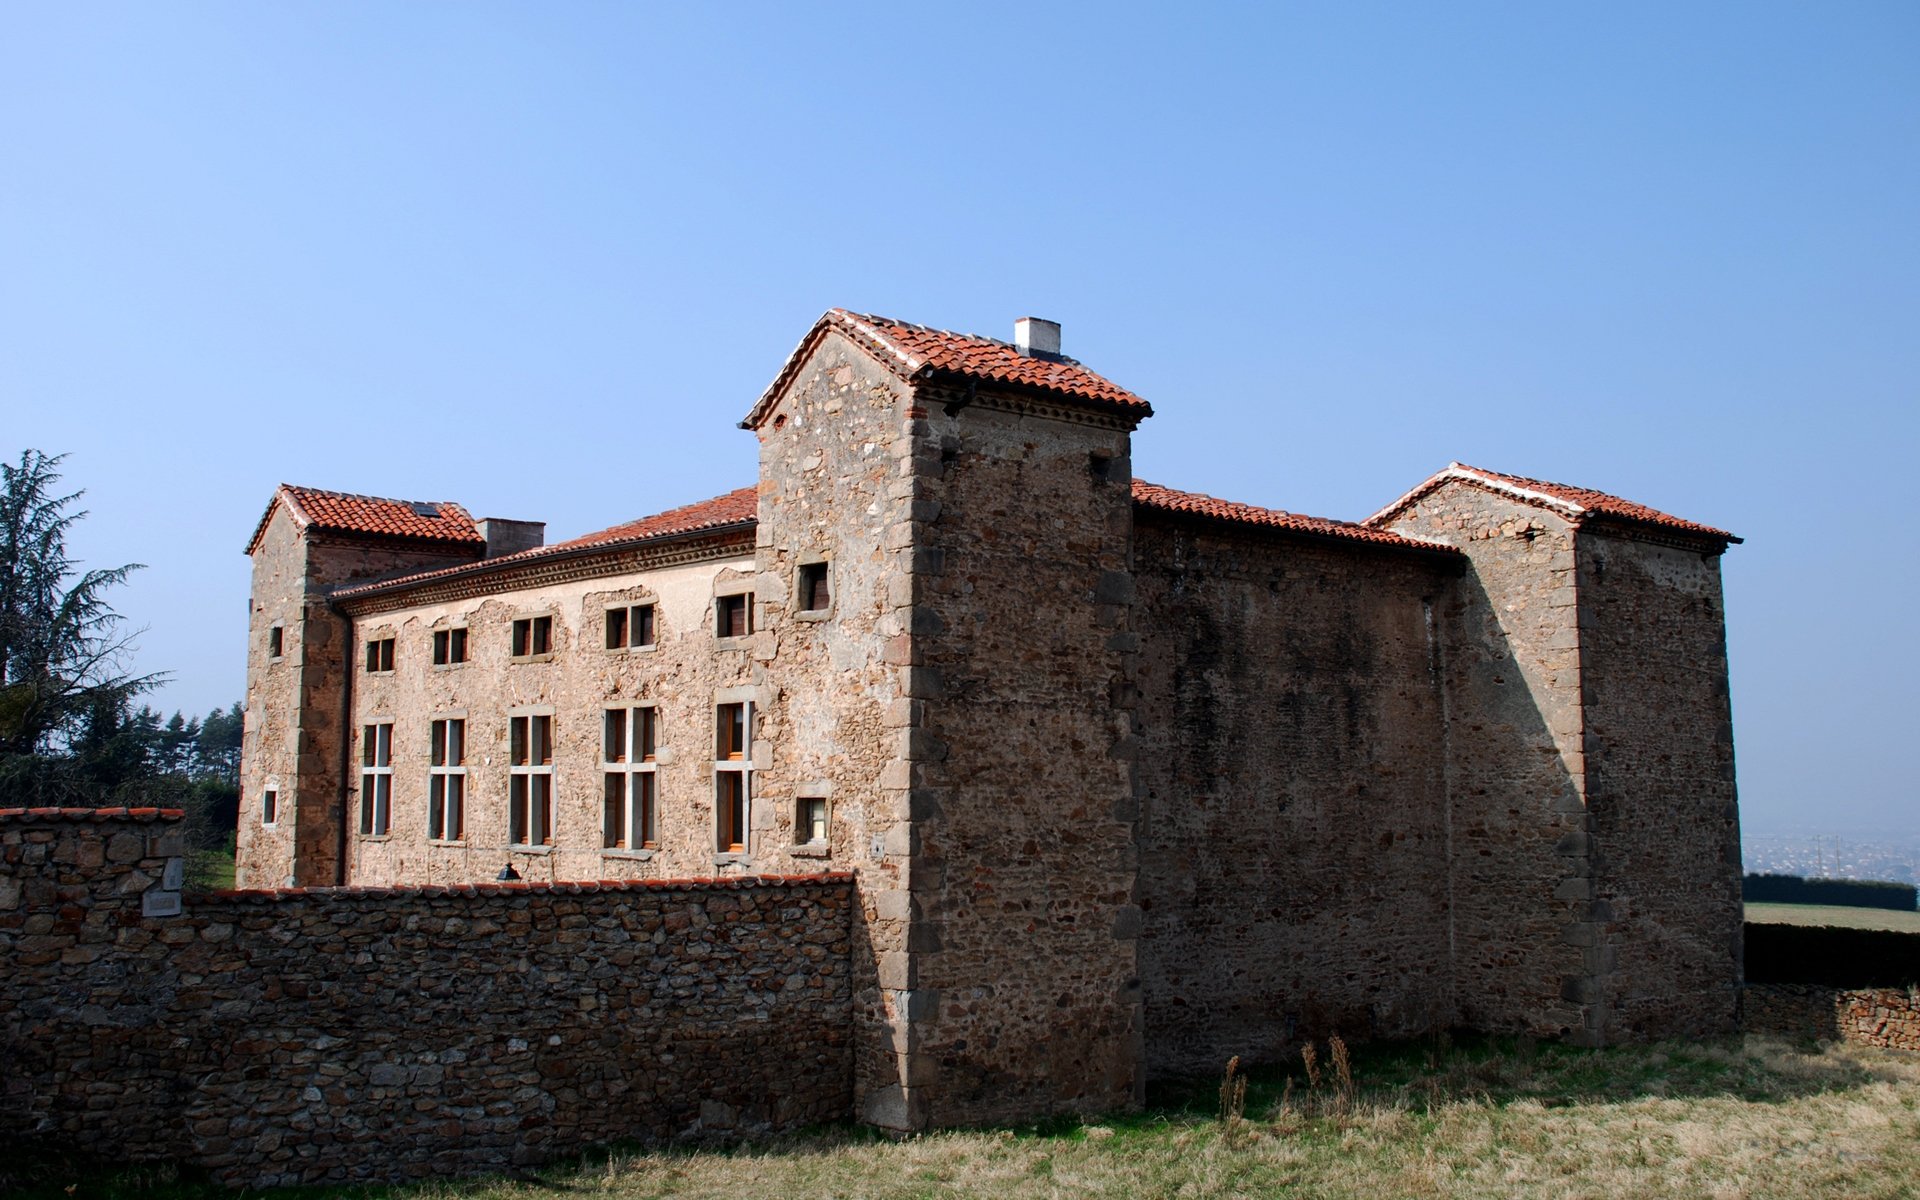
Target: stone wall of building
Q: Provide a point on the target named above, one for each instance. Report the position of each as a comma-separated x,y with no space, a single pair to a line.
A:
1293,838
1525,930
1663,816
1886,1017
1025,994
575,684
293,735
836,487
310,1036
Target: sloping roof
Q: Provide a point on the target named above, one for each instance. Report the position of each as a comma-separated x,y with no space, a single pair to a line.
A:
1154,498
1575,503
915,352
739,507
741,504
370,516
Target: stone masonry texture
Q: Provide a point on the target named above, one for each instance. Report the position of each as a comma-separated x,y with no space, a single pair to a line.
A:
1125,786
327,1035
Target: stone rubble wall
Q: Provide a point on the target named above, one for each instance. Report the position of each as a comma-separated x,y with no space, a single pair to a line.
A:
1527,949
307,1036
1293,839
1662,813
1886,1017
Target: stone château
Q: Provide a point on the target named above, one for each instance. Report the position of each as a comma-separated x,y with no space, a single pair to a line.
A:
1128,779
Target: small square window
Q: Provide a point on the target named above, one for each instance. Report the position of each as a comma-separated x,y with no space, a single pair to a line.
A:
380,654
449,646
532,636
275,641
810,819
631,626
269,807
814,593
733,615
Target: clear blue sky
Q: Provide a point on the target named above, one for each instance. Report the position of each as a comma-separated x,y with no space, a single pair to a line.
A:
540,258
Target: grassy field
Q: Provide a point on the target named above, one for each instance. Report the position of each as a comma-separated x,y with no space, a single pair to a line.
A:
1829,914
1748,1118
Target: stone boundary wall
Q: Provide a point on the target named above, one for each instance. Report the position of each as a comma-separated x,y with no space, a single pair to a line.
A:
321,1035
1888,1017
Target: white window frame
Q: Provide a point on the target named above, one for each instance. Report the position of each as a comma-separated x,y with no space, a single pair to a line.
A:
447,779
633,775
376,778
725,766
530,781
269,807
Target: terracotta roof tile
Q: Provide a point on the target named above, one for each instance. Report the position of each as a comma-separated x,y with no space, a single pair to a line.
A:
372,516
739,507
741,504
1577,503
1154,498
917,352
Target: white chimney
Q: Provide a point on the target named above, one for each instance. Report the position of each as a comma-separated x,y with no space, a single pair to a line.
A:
1037,337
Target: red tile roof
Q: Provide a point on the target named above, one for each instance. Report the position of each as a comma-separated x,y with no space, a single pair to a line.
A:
1576,503
739,507
741,504
1154,498
371,516
915,352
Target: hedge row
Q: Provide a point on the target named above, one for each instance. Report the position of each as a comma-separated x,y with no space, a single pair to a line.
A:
1832,957
1851,893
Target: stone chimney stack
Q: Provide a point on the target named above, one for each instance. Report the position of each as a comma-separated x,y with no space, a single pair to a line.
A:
1037,337
510,537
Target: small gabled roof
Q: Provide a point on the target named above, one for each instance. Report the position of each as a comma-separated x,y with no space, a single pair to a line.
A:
1577,504
736,509
915,352
1154,498
370,516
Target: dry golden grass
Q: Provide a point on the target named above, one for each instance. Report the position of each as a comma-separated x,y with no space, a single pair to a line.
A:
1749,1118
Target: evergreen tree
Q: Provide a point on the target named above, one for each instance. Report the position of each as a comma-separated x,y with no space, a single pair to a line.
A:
64,693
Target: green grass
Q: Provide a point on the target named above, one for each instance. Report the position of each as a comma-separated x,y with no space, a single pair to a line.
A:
1739,1118
1832,914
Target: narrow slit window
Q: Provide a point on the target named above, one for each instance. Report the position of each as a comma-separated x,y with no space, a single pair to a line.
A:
276,641
269,807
